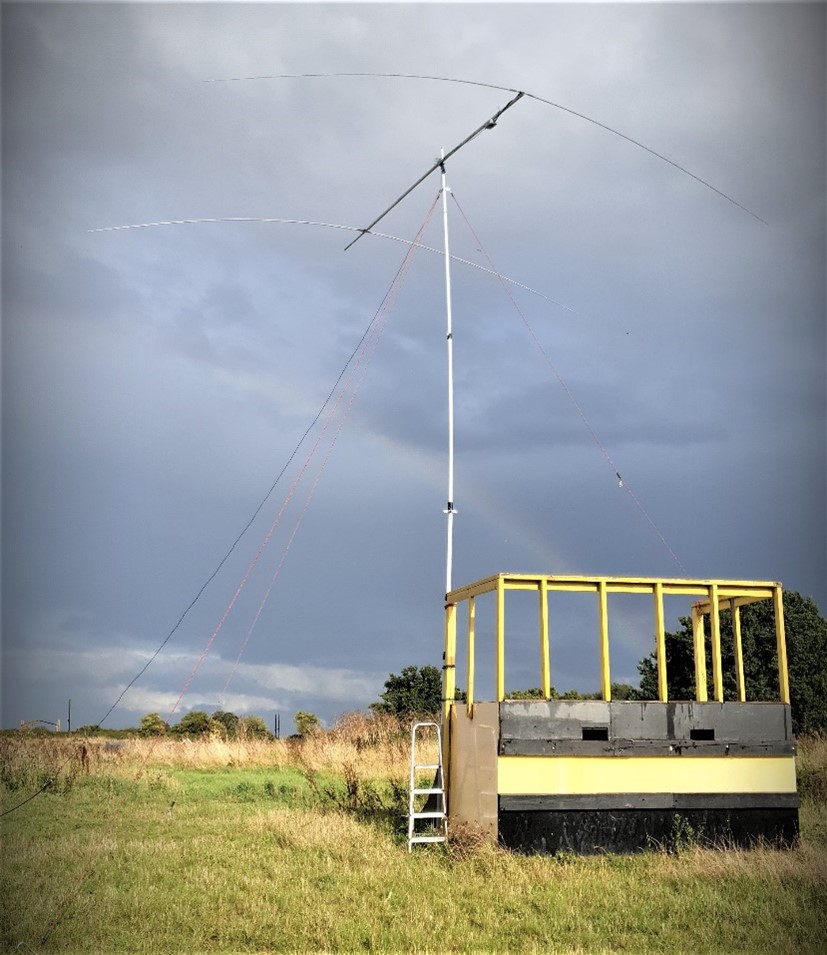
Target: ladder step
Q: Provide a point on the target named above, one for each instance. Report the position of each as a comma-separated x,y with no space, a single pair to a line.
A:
427,839
426,766
427,815
427,792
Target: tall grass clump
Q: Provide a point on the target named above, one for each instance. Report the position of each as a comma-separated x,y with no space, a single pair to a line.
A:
379,744
29,762
811,768
360,766
209,753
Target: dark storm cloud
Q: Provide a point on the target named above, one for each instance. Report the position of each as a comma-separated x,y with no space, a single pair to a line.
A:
156,380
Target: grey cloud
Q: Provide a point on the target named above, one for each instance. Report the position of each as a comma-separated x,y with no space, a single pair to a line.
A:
156,380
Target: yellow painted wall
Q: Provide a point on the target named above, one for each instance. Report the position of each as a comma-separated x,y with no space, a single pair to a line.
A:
583,775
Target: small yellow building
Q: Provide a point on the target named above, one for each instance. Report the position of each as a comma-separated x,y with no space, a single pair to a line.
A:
603,775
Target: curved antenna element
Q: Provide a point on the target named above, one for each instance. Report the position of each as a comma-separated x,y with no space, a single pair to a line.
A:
505,89
331,225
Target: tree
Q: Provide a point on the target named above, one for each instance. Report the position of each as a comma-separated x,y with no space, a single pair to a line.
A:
620,691
417,691
229,723
307,724
806,632
577,695
152,725
194,723
253,727
533,693
624,691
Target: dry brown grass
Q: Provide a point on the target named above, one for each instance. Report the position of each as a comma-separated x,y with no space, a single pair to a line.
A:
811,767
28,762
228,874
378,744
808,862
207,753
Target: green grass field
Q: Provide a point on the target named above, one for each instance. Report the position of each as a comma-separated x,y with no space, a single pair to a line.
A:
273,847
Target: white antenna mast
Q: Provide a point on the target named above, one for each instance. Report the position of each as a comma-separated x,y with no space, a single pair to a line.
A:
449,510
440,164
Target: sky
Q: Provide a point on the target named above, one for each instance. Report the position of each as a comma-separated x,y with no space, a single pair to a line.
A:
157,380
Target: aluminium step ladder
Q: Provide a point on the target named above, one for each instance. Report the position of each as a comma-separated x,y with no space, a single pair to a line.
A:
434,808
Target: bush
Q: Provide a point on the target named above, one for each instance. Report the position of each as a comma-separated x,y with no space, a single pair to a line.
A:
194,723
307,724
228,722
253,727
152,725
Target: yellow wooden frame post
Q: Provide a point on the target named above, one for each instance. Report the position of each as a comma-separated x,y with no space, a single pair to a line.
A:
781,644
739,651
545,666
698,642
472,615
449,686
500,639
715,629
449,668
660,641
605,674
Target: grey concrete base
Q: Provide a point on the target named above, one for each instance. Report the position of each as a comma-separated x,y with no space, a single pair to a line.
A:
546,727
